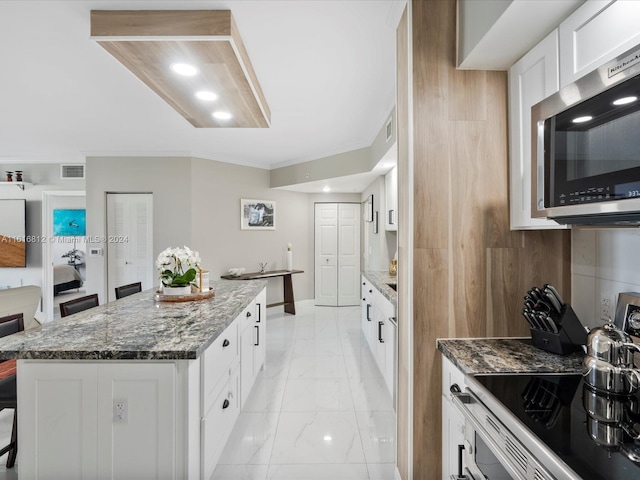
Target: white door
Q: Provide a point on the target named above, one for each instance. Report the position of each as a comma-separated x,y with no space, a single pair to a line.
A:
130,240
348,254
326,254
337,254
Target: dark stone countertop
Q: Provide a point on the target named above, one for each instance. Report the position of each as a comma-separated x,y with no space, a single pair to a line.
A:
136,328
506,355
381,281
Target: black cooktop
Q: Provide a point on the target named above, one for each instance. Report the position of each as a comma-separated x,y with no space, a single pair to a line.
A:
553,408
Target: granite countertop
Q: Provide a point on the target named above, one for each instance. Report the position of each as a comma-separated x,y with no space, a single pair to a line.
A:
136,328
506,355
380,280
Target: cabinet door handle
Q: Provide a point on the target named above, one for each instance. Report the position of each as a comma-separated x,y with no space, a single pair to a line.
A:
257,336
380,324
248,314
225,404
368,312
259,313
225,343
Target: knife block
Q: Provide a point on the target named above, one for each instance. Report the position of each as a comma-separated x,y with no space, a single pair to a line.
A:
570,338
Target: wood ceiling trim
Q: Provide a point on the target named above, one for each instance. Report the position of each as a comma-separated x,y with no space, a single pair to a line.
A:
146,42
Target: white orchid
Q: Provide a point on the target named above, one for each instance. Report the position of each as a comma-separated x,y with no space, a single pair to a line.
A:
178,266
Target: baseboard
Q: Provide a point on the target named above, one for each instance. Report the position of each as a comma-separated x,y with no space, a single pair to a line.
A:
396,475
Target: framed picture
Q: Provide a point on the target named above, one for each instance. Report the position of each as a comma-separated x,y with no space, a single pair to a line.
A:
69,223
368,209
257,214
375,222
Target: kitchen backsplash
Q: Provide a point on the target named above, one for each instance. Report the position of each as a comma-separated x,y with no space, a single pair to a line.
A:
604,262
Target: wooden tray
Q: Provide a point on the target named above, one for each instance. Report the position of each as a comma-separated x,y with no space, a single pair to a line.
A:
192,297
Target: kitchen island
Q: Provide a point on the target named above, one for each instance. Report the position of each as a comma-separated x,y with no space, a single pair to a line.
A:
137,388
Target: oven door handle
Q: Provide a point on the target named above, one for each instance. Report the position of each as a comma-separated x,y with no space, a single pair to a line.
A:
461,400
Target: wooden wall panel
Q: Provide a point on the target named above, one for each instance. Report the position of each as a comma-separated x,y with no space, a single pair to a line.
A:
404,236
470,271
431,272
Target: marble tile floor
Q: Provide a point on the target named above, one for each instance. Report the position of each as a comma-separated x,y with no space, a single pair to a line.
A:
319,410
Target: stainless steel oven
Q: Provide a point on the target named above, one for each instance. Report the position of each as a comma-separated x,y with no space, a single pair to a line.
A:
540,427
586,148
491,451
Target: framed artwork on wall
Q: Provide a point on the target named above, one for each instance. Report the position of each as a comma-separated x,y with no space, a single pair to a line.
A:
368,209
69,223
257,214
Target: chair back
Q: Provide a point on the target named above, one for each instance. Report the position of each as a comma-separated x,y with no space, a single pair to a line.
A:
126,290
78,304
21,299
11,324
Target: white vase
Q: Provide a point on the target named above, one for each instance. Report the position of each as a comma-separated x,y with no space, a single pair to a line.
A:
176,290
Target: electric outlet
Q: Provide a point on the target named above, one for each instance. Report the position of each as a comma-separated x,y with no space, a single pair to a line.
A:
120,410
606,307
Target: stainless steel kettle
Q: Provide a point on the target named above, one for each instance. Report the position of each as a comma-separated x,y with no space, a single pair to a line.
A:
611,345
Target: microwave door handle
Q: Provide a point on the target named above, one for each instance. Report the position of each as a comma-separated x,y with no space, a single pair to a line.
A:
539,169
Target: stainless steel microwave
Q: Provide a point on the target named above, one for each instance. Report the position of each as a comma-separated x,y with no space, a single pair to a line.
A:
586,148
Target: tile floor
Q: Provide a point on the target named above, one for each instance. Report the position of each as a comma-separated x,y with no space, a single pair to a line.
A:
319,410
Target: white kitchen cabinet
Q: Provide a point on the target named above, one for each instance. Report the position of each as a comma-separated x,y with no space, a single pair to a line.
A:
597,32
533,78
79,399
178,413
391,200
452,420
219,420
252,344
380,331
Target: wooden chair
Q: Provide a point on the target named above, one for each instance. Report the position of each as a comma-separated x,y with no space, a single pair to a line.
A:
9,325
126,290
78,304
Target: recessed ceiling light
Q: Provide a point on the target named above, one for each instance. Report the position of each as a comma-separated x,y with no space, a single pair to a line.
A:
326,189
327,438
222,115
184,69
586,118
206,95
625,100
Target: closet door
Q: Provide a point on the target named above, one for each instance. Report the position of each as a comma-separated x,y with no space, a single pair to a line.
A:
130,240
348,254
337,254
326,254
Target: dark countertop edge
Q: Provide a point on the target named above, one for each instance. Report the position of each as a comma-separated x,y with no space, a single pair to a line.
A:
383,288
110,356
533,367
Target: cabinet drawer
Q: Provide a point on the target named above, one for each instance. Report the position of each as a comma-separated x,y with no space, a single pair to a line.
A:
219,421
219,359
248,316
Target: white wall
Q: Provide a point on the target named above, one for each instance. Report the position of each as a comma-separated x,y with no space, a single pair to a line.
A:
45,177
196,203
603,261
377,248
168,178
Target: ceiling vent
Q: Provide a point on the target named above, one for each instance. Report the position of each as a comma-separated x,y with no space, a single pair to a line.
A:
72,171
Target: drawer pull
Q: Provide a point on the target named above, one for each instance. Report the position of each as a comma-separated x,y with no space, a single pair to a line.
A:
225,404
257,336
380,324
226,343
